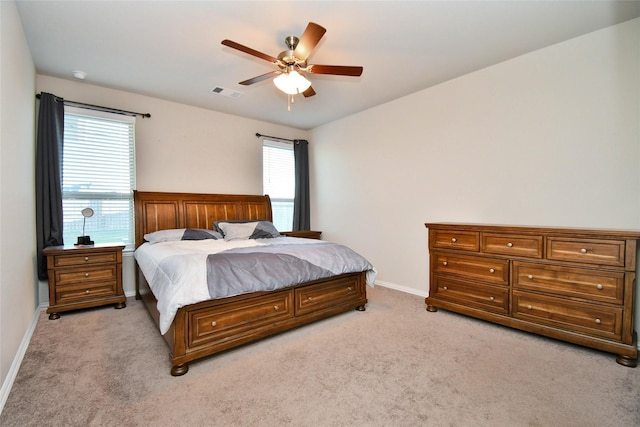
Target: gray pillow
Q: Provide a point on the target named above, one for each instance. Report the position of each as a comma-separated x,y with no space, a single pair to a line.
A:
240,230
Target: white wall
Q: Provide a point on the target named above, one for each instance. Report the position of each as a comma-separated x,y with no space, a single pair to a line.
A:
180,148
548,138
17,201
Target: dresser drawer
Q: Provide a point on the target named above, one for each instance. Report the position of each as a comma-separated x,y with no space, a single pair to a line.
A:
208,325
593,319
84,291
491,270
82,259
471,294
310,299
84,275
458,240
590,251
512,245
594,285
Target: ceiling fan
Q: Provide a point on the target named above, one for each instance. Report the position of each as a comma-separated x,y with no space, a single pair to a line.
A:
293,61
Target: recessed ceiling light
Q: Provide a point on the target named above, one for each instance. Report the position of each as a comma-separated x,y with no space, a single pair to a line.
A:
79,74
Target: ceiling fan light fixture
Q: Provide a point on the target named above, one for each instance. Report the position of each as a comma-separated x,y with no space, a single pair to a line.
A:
292,83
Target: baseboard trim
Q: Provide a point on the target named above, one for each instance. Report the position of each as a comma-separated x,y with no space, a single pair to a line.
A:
400,288
17,360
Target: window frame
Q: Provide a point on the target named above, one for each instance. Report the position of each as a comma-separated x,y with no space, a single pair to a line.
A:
100,196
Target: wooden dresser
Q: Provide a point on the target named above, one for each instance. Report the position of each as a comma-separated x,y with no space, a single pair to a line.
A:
571,284
83,277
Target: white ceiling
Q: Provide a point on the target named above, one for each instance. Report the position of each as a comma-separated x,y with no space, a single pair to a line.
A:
171,49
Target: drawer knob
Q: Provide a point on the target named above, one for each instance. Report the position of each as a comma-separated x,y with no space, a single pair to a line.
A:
583,251
598,321
453,240
349,288
492,299
445,263
529,307
509,244
445,288
530,276
87,291
214,323
86,274
491,270
86,258
309,298
599,286
276,308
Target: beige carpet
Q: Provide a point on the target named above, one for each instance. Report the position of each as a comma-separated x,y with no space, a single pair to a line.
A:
393,365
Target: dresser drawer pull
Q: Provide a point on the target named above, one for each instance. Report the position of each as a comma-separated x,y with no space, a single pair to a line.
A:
509,244
530,276
309,298
214,323
453,240
276,308
583,251
86,258
87,291
529,307
445,263
349,288
598,321
492,270
445,288
86,274
600,287
492,299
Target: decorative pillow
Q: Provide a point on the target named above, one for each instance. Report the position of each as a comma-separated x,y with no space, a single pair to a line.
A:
237,230
181,234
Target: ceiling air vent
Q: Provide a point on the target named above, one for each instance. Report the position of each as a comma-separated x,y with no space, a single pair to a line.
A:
226,92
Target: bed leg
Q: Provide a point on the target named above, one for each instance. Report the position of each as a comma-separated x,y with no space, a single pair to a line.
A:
361,308
180,369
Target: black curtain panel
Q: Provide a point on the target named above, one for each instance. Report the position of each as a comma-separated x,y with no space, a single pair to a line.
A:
49,177
301,214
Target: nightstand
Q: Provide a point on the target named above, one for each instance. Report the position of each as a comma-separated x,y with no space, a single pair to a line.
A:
308,234
83,277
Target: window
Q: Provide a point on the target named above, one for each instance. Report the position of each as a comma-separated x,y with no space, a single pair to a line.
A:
98,171
278,181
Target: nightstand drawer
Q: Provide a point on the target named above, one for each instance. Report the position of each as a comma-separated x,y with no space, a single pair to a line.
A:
80,292
93,258
84,275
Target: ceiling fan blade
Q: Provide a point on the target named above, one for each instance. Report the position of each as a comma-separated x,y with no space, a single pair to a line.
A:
248,50
309,92
310,38
337,70
260,78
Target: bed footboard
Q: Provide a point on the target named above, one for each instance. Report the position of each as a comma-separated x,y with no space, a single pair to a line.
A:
210,327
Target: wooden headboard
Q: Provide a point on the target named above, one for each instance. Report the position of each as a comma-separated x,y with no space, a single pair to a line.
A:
162,211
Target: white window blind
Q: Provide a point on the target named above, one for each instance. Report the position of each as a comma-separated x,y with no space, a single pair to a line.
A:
98,171
278,180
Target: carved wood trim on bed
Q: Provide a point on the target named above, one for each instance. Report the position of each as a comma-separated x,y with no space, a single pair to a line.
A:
196,331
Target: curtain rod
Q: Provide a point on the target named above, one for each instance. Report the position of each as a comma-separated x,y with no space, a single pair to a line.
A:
100,108
274,137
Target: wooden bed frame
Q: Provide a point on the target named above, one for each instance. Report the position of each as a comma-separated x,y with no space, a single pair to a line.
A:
209,327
